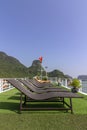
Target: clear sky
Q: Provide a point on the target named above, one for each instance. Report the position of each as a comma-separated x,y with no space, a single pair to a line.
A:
53,29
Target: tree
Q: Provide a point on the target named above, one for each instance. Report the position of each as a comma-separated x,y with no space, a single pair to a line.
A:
75,84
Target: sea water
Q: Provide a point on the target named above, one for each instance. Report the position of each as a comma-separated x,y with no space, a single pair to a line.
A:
84,86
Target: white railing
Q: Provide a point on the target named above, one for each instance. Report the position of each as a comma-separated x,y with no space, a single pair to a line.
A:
4,85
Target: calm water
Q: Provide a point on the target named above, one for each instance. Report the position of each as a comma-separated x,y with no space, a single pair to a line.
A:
84,86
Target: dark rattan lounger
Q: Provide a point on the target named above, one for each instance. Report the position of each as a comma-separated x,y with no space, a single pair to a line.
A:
33,88
44,97
39,84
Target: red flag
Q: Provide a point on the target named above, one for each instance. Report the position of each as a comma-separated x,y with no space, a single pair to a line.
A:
40,59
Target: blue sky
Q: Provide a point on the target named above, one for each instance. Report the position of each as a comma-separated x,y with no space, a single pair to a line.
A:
53,29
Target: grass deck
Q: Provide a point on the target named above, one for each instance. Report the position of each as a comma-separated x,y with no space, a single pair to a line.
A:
10,119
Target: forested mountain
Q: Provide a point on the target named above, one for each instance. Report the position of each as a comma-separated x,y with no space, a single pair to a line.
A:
10,67
35,68
56,73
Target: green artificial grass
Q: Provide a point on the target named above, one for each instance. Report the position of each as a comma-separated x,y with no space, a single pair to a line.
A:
10,119
43,122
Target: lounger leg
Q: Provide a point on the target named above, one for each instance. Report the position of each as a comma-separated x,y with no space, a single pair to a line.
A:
71,105
63,101
20,102
24,100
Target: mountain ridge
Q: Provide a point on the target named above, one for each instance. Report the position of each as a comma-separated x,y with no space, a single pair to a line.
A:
10,67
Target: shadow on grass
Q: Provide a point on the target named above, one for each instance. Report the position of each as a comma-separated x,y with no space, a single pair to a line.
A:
10,101
14,106
15,97
9,106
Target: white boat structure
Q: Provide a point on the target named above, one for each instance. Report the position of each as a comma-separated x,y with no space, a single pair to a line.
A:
5,86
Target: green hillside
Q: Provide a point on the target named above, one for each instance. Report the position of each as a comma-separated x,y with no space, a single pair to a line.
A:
35,68
10,67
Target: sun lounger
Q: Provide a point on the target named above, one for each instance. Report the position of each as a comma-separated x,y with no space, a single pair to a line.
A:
44,97
40,84
33,88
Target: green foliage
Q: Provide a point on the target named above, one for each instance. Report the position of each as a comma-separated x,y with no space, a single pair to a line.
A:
44,78
35,68
56,73
10,67
76,83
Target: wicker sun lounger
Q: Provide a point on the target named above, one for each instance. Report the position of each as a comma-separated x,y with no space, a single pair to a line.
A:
40,84
44,97
33,88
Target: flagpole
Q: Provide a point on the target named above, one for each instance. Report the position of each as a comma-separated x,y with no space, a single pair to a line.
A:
41,71
40,59
46,71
